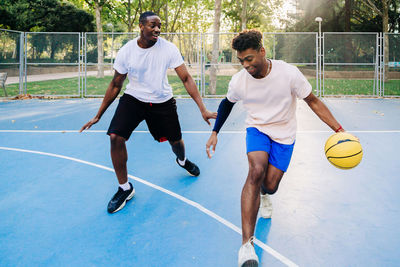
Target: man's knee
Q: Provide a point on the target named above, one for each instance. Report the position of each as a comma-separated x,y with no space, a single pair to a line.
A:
176,143
116,140
257,173
270,188
271,182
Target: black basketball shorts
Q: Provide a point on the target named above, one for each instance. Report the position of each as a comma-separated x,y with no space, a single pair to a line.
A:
161,118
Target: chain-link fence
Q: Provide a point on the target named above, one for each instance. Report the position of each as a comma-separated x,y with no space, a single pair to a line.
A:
98,67
189,46
52,53
11,62
219,63
98,75
391,59
81,64
350,65
299,49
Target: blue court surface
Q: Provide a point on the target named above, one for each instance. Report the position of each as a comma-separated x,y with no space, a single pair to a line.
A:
55,184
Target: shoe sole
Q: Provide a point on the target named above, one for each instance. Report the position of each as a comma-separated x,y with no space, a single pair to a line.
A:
127,199
186,170
266,216
192,174
250,263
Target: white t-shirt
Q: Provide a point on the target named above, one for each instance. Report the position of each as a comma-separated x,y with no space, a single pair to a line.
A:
270,102
147,69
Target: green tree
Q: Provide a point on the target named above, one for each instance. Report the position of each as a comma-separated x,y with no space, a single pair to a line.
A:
97,6
348,15
44,15
248,14
126,11
215,47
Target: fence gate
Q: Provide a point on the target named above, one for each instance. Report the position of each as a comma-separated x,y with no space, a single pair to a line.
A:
350,64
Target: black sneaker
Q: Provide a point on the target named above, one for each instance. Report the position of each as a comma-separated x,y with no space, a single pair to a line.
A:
190,167
120,198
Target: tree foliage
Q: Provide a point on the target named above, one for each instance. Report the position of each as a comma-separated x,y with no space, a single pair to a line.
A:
259,14
44,15
197,15
187,15
365,15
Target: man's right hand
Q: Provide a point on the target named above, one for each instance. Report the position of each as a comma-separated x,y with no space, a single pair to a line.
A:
211,144
89,124
209,115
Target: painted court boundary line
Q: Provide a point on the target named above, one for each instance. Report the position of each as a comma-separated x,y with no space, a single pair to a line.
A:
266,248
191,132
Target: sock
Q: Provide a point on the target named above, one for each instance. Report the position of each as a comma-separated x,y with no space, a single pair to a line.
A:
182,162
126,186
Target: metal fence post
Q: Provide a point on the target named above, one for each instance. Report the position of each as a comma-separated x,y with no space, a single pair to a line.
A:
25,61
378,89
84,47
322,59
82,77
80,91
21,62
376,79
318,67
202,78
382,66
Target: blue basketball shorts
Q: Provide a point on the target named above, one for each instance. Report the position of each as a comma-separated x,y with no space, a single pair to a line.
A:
279,154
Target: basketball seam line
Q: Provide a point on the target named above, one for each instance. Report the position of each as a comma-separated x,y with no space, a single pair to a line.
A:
338,144
345,156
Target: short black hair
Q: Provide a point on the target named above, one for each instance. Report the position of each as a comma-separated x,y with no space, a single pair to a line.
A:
247,39
144,15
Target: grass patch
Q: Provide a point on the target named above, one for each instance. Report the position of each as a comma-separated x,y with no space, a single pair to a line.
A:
348,87
359,87
392,88
67,86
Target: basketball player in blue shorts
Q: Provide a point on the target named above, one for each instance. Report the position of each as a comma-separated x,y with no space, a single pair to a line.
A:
148,96
268,90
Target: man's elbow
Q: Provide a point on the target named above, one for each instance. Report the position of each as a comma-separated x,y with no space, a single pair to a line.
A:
312,100
186,79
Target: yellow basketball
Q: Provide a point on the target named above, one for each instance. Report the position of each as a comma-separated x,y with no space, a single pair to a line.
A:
343,150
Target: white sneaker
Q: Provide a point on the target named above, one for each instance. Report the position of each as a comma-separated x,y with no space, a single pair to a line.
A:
247,255
265,206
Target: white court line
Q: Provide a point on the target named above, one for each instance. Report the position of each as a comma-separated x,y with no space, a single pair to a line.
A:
268,249
191,132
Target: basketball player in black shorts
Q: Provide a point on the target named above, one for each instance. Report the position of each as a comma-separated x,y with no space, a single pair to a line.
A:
148,96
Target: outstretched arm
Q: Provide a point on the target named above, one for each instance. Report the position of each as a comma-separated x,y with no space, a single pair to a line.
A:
323,112
224,109
112,92
191,88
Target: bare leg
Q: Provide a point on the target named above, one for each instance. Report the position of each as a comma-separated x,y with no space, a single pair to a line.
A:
272,179
119,157
178,147
250,200
260,174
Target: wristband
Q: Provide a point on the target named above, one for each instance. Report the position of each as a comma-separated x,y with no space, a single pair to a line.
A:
338,129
